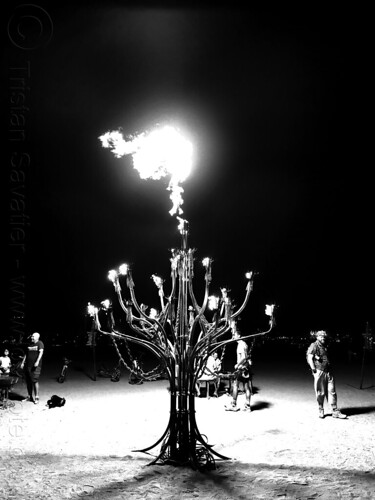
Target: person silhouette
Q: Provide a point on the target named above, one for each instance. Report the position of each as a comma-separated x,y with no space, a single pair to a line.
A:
324,381
242,374
32,365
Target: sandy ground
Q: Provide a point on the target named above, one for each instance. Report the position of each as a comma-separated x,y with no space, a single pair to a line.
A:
280,450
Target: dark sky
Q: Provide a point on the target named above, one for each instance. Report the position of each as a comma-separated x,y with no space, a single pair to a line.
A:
272,101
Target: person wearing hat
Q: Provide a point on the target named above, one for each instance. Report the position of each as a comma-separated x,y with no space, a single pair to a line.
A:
324,381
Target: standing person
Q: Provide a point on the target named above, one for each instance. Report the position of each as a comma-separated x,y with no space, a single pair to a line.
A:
5,363
324,381
216,369
242,373
32,365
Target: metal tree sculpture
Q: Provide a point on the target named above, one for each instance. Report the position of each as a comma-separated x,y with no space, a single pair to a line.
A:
181,337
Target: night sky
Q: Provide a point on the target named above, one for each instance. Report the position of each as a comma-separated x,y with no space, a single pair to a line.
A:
272,102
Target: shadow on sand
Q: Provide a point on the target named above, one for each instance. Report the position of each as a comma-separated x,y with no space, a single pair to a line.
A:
261,405
358,410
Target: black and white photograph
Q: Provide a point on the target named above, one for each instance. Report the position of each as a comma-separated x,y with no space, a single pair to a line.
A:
188,198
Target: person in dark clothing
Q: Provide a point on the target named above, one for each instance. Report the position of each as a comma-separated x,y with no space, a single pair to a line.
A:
32,366
324,381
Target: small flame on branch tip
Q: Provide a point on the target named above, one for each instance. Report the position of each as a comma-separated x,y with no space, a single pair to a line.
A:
106,304
91,310
174,261
124,269
153,313
213,302
112,275
156,154
157,280
206,261
269,309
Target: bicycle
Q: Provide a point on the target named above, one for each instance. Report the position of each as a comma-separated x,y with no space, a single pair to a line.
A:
16,356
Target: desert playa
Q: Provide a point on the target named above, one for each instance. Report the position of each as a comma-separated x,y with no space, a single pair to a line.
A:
280,450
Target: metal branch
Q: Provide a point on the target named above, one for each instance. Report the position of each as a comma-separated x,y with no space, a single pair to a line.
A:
249,288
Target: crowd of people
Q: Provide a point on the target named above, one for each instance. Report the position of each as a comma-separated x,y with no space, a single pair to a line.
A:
211,372
317,359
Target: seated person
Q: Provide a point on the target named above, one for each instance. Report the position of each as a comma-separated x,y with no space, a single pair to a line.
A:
210,373
5,363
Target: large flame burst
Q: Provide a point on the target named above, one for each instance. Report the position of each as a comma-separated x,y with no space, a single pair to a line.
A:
156,154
